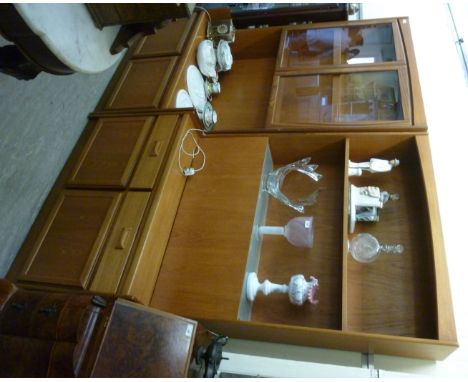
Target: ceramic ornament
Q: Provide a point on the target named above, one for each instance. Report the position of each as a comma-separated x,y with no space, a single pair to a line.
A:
374,165
299,289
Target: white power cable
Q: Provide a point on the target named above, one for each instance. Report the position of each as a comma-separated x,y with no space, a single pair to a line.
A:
189,171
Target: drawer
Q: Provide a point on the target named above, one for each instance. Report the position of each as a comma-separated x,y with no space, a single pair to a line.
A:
49,316
111,153
167,41
119,245
142,83
71,239
154,152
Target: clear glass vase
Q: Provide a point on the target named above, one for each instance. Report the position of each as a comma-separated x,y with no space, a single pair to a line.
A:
274,181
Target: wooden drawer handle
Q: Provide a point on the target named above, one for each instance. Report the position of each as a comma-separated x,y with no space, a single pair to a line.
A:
157,148
123,238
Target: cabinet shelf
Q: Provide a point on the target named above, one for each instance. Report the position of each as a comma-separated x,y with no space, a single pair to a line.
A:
393,296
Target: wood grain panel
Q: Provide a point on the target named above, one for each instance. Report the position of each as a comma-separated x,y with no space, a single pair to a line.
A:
395,294
244,107
188,57
419,116
143,83
446,324
111,153
334,339
142,273
280,260
116,253
256,43
167,41
154,152
70,242
204,264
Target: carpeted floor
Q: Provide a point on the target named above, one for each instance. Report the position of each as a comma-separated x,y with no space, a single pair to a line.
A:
40,122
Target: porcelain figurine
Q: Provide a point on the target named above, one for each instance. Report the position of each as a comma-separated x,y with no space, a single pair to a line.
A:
206,59
365,204
223,56
374,165
299,289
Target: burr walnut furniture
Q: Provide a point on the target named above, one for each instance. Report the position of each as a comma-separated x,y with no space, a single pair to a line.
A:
46,334
122,219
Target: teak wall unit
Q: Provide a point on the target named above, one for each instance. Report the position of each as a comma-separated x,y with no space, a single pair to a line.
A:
122,220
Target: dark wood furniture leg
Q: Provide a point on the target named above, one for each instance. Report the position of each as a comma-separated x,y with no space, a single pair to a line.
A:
14,63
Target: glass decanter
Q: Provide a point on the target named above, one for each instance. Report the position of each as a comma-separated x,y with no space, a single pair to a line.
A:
365,248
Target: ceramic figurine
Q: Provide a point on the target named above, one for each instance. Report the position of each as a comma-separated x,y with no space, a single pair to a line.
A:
365,204
299,289
374,165
365,248
206,59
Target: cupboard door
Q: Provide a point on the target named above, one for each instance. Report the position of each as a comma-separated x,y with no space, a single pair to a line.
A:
154,152
346,45
119,245
69,244
111,153
142,84
168,41
341,98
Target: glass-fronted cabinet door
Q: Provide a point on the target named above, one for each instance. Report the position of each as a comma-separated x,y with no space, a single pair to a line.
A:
340,98
340,45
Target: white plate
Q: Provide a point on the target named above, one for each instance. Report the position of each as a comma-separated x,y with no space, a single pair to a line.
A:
183,99
196,88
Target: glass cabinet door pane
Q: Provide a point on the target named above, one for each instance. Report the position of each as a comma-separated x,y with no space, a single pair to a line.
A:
367,44
304,99
369,96
304,48
334,46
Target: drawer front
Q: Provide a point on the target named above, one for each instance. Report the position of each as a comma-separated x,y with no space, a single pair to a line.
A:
49,316
154,152
142,84
119,245
71,239
167,41
111,153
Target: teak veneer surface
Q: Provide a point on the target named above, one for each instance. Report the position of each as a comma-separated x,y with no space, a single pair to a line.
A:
245,94
143,83
395,294
167,41
280,260
68,246
111,153
204,264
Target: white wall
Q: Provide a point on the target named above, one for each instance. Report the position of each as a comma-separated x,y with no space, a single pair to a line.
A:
445,95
